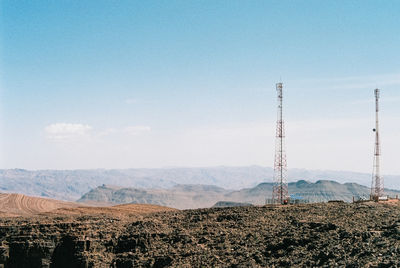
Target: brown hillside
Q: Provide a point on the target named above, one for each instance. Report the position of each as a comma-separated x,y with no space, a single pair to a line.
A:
22,205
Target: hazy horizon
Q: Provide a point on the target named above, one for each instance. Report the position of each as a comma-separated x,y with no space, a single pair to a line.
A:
198,167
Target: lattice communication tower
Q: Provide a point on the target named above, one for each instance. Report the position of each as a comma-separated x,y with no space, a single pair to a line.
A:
377,188
280,193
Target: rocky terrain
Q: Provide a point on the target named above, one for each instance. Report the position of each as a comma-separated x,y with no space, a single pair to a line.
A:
70,185
323,235
203,196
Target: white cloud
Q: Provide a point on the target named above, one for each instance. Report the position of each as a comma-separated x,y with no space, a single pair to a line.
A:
67,131
136,130
107,132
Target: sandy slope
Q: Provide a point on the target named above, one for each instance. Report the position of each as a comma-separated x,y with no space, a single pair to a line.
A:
22,205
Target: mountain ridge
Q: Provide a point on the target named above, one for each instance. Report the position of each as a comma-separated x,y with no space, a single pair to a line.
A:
203,196
70,185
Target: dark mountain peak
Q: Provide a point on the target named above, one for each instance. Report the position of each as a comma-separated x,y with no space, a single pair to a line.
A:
301,183
327,182
108,187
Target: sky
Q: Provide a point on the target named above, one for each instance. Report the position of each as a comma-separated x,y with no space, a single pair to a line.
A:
133,84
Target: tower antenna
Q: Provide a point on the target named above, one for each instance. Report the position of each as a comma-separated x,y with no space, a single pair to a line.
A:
377,188
280,193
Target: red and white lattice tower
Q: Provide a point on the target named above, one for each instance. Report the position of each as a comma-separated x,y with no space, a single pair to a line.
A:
280,193
377,188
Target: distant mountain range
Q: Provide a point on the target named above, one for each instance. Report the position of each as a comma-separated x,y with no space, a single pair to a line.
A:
179,196
202,196
70,185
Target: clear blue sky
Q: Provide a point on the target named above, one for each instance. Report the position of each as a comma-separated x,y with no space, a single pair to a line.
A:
111,84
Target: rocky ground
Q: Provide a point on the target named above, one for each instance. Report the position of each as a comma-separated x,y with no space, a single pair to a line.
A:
323,235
